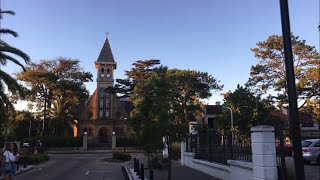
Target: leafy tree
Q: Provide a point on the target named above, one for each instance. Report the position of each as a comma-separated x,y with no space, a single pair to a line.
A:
24,121
269,73
248,110
311,110
162,98
60,83
156,112
192,86
9,53
141,70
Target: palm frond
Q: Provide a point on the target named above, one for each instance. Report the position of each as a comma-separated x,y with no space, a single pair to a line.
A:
9,31
12,84
15,51
6,12
4,57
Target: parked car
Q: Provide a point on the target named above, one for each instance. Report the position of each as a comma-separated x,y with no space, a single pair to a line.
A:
311,150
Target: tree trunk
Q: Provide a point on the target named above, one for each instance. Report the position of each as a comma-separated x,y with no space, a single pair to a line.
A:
169,157
169,171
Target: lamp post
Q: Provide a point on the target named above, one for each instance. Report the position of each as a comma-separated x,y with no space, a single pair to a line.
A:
231,117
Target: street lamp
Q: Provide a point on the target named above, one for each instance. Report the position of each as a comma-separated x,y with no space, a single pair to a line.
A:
231,117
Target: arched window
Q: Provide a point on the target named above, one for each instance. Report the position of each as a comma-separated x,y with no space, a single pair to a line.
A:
102,72
108,72
104,104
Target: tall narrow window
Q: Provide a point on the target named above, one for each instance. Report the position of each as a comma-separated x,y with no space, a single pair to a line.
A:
104,104
108,72
102,72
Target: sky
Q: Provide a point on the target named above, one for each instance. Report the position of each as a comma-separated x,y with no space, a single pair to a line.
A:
213,36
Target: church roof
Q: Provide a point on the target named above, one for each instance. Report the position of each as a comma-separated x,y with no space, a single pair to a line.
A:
106,53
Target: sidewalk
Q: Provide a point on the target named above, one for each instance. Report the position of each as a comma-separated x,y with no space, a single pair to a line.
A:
21,170
178,172
92,151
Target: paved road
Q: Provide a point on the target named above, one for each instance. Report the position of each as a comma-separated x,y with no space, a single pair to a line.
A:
312,171
80,167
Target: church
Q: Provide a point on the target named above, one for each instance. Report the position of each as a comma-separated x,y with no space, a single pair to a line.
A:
104,113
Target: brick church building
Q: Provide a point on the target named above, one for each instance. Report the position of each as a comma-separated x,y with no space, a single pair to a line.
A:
104,113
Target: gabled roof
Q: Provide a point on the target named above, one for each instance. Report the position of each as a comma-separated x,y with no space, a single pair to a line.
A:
106,53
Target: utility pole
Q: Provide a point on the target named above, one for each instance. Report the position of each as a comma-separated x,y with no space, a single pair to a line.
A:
292,94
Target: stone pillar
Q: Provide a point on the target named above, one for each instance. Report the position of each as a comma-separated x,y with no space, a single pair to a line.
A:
85,141
183,148
264,162
114,141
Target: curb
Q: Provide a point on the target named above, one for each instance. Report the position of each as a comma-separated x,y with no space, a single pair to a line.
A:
91,152
131,174
25,170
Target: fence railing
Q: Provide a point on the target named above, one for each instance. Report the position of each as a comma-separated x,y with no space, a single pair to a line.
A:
218,147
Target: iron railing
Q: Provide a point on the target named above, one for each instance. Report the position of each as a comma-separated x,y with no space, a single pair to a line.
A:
220,147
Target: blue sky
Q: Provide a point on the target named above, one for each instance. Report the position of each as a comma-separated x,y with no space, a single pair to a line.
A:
206,35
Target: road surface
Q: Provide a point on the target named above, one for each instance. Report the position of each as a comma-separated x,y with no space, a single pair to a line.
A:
80,167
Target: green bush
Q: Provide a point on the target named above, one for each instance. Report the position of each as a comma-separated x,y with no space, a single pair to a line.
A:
122,156
33,159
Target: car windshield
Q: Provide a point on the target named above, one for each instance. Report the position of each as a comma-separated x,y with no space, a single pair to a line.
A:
305,143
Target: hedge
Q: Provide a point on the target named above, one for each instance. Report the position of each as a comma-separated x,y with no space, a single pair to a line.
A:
122,156
33,159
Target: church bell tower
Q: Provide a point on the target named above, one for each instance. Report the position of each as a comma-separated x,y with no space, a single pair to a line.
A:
105,66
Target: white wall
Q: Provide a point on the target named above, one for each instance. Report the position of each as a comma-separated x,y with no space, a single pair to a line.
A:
263,166
235,169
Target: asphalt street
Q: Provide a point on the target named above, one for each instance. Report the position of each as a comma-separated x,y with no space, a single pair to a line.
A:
72,166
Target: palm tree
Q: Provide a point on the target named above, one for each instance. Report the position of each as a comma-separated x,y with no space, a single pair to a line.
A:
8,53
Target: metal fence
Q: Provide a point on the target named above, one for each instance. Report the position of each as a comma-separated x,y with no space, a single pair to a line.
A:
220,147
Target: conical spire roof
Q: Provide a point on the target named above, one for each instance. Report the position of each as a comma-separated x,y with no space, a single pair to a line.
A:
106,53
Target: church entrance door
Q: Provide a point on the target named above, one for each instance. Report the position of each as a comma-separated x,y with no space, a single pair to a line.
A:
103,135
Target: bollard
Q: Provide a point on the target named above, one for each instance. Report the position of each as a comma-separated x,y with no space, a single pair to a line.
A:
138,171
135,164
142,172
151,174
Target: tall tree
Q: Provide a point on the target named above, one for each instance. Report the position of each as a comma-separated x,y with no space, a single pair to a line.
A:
192,87
8,53
59,83
141,70
162,99
157,114
269,73
247,109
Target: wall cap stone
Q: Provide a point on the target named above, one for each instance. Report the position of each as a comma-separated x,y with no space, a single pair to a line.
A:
262,128
240,164
212,165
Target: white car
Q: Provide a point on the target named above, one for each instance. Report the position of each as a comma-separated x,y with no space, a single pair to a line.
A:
311,150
